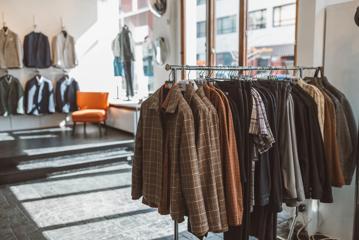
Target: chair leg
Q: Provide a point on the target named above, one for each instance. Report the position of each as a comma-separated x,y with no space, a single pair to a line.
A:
73,128
104,125
85,128
100,128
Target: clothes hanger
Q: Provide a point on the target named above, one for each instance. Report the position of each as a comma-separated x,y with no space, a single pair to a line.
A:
38,74
63,28
169,83
5,28
34,25
66,73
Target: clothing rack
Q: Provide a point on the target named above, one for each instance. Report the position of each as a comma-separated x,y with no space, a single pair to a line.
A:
175,68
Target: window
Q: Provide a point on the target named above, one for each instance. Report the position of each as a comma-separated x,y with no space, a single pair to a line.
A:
201,2
227,34
225,37
269,47
284,15
257,19
226,25
201,29
140,22
197,46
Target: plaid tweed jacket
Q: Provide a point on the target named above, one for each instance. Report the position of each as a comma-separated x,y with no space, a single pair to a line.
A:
210,164
165,168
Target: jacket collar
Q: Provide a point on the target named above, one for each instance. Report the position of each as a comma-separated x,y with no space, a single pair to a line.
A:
169,102
189,93
200,92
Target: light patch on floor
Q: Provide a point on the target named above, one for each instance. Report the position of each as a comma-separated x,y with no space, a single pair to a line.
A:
37,151
62,129
65,210
38,136
145,226
6,137
74,159
47,189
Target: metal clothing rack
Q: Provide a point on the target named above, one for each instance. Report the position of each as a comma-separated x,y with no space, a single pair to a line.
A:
175,68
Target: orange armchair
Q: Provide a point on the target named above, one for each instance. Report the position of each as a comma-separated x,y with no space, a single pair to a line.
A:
92,108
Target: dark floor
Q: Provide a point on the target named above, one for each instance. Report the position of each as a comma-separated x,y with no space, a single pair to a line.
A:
42,141
82,193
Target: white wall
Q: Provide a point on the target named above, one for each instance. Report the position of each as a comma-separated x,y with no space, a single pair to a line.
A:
168,27
341,57
270,35
79,18
93,23
341,67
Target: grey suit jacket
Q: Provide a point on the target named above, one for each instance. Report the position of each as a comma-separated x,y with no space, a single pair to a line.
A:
63,51
10,50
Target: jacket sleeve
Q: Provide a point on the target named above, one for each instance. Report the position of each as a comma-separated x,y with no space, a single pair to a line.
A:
19,52
74,53
27,103
58,97
51,99
136,191
190,179
54,51
77,88
20,102
132,42
2,100
47,59
26,51
349,166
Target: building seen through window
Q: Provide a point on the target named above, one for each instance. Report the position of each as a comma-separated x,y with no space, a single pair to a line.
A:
284,15
257,19
226,25
271,32
268,21
200,2
201,29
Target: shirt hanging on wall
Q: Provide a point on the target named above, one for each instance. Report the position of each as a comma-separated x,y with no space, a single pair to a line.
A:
10,50
37,50
39,96
63,50
65,93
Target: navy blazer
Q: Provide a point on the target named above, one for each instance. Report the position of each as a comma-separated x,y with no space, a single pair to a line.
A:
37,50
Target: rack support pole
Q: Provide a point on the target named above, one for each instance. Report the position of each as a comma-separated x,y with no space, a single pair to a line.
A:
175,236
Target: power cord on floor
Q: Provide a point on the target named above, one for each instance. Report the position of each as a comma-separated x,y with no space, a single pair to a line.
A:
312,237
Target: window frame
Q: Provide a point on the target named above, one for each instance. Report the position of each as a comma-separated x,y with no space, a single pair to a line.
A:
211,30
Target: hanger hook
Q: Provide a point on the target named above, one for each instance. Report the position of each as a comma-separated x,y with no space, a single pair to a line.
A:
301,72
169,75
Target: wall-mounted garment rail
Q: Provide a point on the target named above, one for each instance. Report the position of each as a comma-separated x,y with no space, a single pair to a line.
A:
270,150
